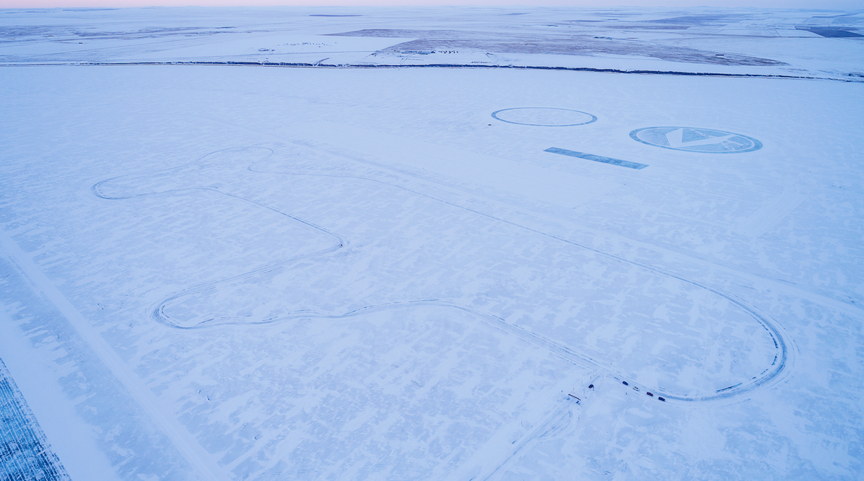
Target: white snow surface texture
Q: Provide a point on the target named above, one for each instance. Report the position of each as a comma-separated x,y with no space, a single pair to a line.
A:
442,243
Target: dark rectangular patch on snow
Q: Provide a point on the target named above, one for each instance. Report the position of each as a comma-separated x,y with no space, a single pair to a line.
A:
597,158
830,32
24,452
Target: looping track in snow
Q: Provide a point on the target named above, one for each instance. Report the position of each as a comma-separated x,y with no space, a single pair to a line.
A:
783,346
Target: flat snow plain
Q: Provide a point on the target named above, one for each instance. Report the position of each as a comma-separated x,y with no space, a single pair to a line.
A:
236,246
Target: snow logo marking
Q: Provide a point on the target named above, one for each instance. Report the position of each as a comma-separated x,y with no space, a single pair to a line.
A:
544,117
691,139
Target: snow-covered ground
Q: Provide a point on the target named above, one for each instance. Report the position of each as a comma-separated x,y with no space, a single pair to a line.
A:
242,244
796,43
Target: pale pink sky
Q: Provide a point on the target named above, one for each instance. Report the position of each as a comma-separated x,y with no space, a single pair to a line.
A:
814,4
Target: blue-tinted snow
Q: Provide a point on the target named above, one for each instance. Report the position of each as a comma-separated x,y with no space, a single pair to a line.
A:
355,273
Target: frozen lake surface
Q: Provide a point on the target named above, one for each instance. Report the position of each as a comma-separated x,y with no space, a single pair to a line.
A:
451,243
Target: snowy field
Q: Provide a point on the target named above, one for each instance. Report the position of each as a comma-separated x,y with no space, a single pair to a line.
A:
443,243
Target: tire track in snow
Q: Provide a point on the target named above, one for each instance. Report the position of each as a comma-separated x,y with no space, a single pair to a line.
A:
557,415
782,344
780,366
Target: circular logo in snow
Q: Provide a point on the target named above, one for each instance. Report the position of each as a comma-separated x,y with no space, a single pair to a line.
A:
690,139
544,117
